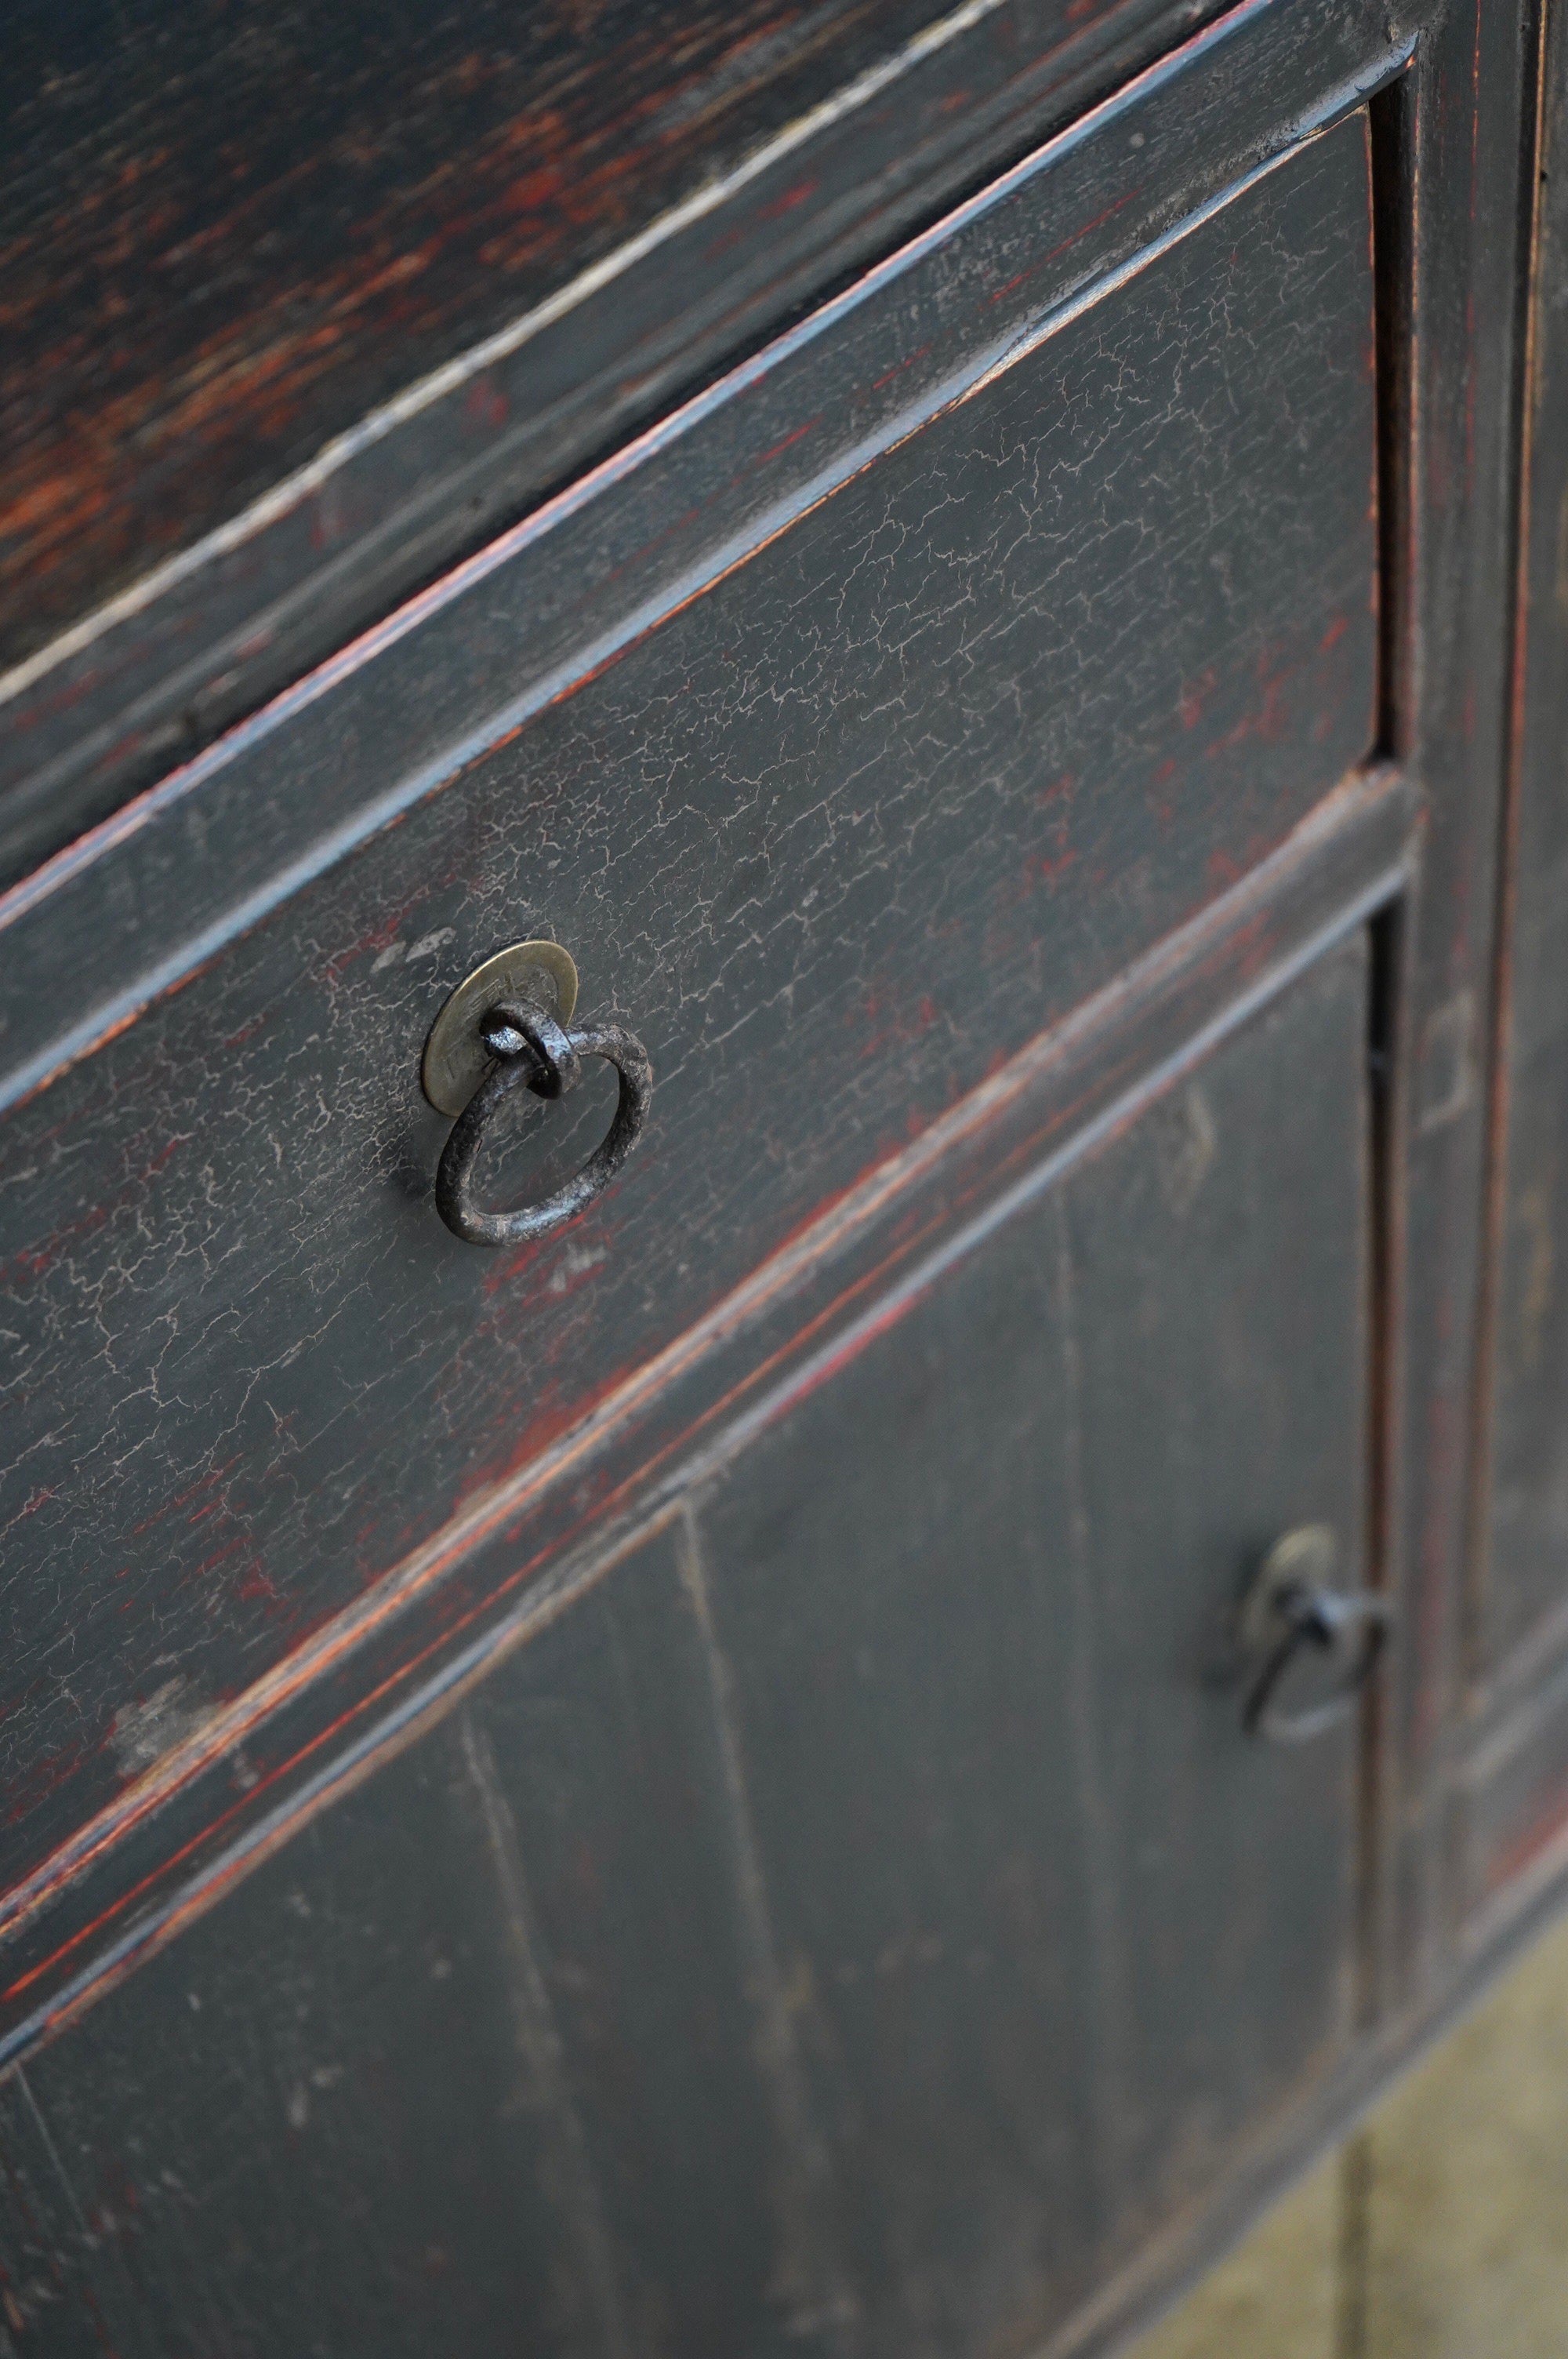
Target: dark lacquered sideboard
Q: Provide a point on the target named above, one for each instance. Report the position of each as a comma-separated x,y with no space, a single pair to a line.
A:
782,1111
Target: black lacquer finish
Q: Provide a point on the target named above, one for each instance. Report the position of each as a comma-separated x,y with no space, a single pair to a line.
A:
876,784
510,233
682,1787
853,1921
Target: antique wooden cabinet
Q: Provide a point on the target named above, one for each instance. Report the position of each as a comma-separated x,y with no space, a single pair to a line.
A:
858,1739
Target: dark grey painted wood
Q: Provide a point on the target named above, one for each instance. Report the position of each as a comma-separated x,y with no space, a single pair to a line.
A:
1511,1808
846,829
143,901
1529,1512
481,2077
152,900
1451,270
859,1920
287,1742
509,236
989,1569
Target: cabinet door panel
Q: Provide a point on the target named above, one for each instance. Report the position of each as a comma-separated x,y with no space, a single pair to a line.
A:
859,1920
973,1599
470,2068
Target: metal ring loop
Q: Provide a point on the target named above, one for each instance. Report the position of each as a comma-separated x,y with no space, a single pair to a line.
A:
527,1029
534,1052
1316,1617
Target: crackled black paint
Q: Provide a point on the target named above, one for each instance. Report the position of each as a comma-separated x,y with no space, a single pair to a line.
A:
270,223
808,1942
685,1791
841,832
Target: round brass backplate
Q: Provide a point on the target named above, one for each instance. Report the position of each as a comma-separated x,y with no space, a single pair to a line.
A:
1304,1557
455,1059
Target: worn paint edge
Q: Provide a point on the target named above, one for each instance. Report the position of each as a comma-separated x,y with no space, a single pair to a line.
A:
1363,800
581,1570
453,374
633,454
114,1015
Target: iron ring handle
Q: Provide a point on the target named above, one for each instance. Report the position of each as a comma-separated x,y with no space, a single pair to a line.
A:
531,1033
532,1051
1311,1616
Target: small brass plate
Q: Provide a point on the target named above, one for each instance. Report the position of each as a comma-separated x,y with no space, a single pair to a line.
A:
1302,1559
455,1058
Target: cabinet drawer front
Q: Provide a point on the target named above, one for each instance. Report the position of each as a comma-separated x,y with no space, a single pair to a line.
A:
860,1921
1033,671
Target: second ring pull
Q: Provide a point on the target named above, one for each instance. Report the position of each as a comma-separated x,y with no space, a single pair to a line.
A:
521,1034
1293,1612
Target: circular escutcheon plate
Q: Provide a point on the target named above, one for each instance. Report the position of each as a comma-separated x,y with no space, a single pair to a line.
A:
456,1059
1302,1559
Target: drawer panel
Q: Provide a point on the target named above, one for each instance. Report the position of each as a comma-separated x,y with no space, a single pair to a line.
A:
860,1923
916,770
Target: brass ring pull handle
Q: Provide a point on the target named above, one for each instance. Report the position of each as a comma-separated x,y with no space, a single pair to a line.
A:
1293,1612
527,1045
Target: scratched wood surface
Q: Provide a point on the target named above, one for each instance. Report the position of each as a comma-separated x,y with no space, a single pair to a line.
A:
844,831
857,1923
287,1741
96,2248
226,239
144,899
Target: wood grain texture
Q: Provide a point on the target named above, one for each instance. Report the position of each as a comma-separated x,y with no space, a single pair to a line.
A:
152,893
846,831
227,237
219,894
855,1923
274,235
1005,1581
